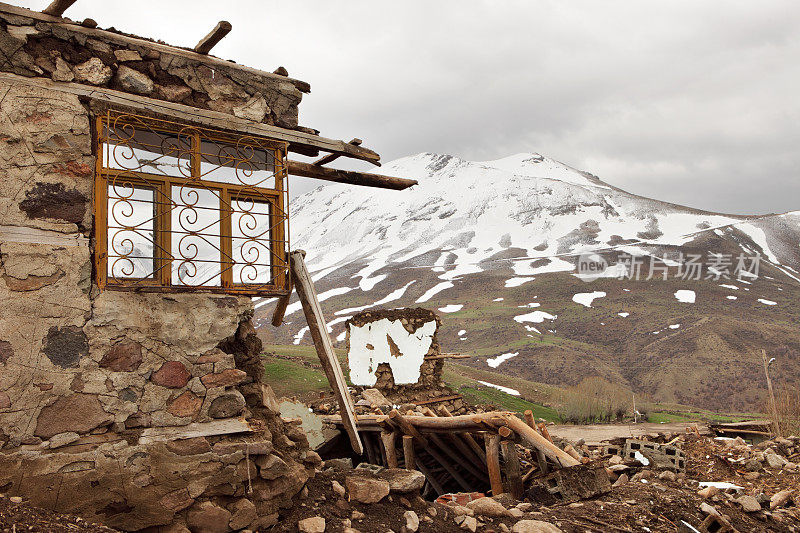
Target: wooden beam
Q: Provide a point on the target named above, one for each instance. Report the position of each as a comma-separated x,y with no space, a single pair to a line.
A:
511,462
467,437
208,42
531,438
350,177
57,7
540,457
204,117
280,307
447,356
388,439
406,427
408,453
227,426
322,342
493,463
431,479
324,160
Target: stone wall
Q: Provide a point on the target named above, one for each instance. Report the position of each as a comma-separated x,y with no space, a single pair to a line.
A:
384,344
72,53
100,390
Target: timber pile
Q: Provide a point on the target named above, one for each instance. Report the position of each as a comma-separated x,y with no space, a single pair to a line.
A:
483,452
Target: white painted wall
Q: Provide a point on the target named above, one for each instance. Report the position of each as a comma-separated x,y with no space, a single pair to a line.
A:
413,347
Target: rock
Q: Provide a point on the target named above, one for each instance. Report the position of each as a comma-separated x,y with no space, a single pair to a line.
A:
667,475
751,476
80,413
366,490
93,71
5,400
402,480
192,446
621,480
340,464
63,72
134,81
127,55
618,468
779,499
468,523
709,509
174,93
412,521
206,517
15,499
62,439
357,515
315,524
338,489
185,405
172,374
227,406
488,507
255,108
226,378
774,460
516,513
707,492
534,526
271,467
749,504
243,513
615,460
375,397
752,465
123,357
524,506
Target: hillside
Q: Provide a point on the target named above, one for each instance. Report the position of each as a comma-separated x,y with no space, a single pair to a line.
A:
493,246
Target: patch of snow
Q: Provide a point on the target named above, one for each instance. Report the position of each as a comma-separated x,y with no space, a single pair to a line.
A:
299,336
516,282
494,362
296,306
430,293
767,302
507,390
624,315
451,308
674,326
394,295
530,305
721,485
461,332
531,328
734,287
586,298
498,299
537,317
731,297
685,296
341,336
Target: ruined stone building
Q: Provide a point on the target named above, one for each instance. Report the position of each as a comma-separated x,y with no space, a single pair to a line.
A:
142,204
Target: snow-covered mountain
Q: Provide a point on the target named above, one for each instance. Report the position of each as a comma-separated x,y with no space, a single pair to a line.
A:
473,237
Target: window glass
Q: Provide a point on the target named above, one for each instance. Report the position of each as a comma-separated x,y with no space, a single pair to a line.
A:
131,231
250,229
196,242
237,163
148,151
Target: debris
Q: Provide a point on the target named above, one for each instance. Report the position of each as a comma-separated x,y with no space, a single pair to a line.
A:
412,521
534,526
749,504
314,524
365,489
488,507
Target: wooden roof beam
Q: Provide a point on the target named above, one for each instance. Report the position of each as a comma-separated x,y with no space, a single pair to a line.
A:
324,160
309,170
208,42
57,7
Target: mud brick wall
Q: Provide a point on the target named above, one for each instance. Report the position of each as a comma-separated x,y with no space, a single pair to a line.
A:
73,53
98,390
385,344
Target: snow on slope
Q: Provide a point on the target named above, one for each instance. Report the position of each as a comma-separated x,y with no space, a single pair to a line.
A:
463,214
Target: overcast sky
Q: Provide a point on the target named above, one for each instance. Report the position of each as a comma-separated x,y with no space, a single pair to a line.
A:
692,102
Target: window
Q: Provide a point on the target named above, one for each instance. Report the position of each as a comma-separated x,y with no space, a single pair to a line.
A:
181,207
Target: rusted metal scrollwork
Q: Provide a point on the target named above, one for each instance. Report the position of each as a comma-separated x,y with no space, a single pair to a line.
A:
181,207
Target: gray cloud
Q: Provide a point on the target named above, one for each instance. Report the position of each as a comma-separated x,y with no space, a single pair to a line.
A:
689,102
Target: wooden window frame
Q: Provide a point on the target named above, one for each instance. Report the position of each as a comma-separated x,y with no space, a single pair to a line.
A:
277,241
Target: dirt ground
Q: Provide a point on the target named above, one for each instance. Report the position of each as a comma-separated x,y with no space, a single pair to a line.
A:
20,517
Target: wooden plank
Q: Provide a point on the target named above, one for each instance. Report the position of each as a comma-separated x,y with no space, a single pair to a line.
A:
469,439
329,158
227,426
544,432
126,40
349,177
447,356
408,453
511,462
540,457
431,479
204,117
57,7
439,458
24,234
389,440
208,42
322,342
441,399
493,463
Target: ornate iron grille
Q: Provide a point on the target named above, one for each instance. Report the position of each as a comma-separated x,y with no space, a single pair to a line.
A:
180,207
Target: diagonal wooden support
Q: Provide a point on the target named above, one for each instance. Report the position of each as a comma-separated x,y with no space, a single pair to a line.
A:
324,346
57,7
208,42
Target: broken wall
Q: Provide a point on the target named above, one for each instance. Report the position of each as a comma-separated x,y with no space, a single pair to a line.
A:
137,410
396,351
